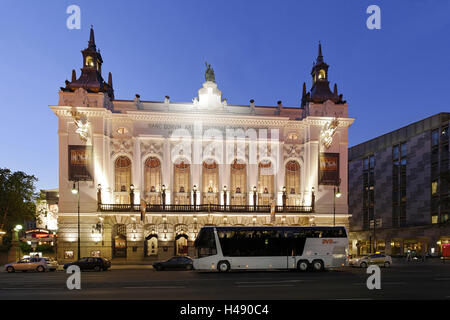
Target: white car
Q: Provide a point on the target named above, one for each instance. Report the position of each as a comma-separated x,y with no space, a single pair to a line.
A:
31,264
365,261
52,264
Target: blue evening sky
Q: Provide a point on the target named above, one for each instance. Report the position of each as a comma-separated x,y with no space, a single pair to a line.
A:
258,49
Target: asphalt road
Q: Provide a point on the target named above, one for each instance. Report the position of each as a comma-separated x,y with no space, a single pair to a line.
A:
402,281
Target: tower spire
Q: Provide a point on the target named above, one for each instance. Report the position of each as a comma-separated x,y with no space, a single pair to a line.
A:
319,55
92,39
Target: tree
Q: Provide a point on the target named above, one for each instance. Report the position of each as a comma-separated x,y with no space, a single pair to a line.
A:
17,198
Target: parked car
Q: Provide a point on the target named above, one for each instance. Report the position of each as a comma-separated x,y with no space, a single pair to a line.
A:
365,261
174,263
29,264
90,263
52,264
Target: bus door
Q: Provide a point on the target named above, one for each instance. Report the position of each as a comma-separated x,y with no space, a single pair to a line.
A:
296,247
291,259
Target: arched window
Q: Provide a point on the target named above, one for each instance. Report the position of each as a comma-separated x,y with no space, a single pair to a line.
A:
89,61
210,176
292,177
152,174
152,180
321,74
181,182
238,181
122,174
265,182
210,179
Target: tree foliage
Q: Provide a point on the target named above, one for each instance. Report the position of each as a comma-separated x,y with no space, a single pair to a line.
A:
17,198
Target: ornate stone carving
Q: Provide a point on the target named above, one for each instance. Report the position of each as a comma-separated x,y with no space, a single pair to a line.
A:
82,124
328,131
121,146
152,147
80,99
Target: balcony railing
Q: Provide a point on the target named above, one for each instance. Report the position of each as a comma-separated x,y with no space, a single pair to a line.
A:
204,208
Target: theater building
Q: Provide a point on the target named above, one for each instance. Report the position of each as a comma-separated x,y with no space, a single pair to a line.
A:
145,176
399,190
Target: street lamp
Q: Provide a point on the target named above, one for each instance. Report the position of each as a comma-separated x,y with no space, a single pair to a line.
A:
132,196
194,188
224,197
99,196
77,191
17,228
163,196
254,198
336,194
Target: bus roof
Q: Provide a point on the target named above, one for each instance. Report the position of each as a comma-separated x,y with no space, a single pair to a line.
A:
274,227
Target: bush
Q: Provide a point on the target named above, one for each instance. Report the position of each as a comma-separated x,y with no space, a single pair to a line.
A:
4,248
5,244
44,248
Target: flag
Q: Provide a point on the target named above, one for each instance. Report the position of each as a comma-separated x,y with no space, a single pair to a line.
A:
143,209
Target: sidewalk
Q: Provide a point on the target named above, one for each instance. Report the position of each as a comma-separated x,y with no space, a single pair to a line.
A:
428,261
131,266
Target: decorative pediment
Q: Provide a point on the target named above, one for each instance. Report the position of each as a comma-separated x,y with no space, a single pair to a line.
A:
122,146
292,151
152,147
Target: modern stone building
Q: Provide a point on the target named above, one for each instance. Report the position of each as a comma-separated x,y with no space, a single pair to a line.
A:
147,175
401,181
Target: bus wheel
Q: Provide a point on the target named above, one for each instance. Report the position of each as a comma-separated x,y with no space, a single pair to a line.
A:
302,265
317,265
223,266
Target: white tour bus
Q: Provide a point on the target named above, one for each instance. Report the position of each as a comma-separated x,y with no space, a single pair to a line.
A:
272,247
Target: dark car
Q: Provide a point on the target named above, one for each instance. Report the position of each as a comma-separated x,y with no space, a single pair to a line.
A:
90,263
175,263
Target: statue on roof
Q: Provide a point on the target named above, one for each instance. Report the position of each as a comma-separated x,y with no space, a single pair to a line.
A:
209,73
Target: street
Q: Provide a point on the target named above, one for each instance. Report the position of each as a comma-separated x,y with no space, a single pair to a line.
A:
430,280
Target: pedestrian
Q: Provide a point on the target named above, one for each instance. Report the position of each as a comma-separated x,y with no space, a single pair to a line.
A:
408,256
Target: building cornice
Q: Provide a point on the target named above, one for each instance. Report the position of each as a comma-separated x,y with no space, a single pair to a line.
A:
321,121
66,111
213,119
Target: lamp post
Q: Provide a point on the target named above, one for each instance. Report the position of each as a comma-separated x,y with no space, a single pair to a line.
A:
194,188
163,196
224,198
336,195
17,229
77,192
99,196
132,196
254,198
284,199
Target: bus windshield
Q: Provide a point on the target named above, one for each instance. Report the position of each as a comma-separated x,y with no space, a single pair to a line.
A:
205,243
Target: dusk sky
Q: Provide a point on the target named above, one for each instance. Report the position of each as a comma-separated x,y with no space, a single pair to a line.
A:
260,50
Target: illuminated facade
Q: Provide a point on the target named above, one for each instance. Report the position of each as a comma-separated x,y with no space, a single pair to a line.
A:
153,173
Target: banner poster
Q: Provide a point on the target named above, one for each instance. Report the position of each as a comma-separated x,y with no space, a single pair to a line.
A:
80,163
328,168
